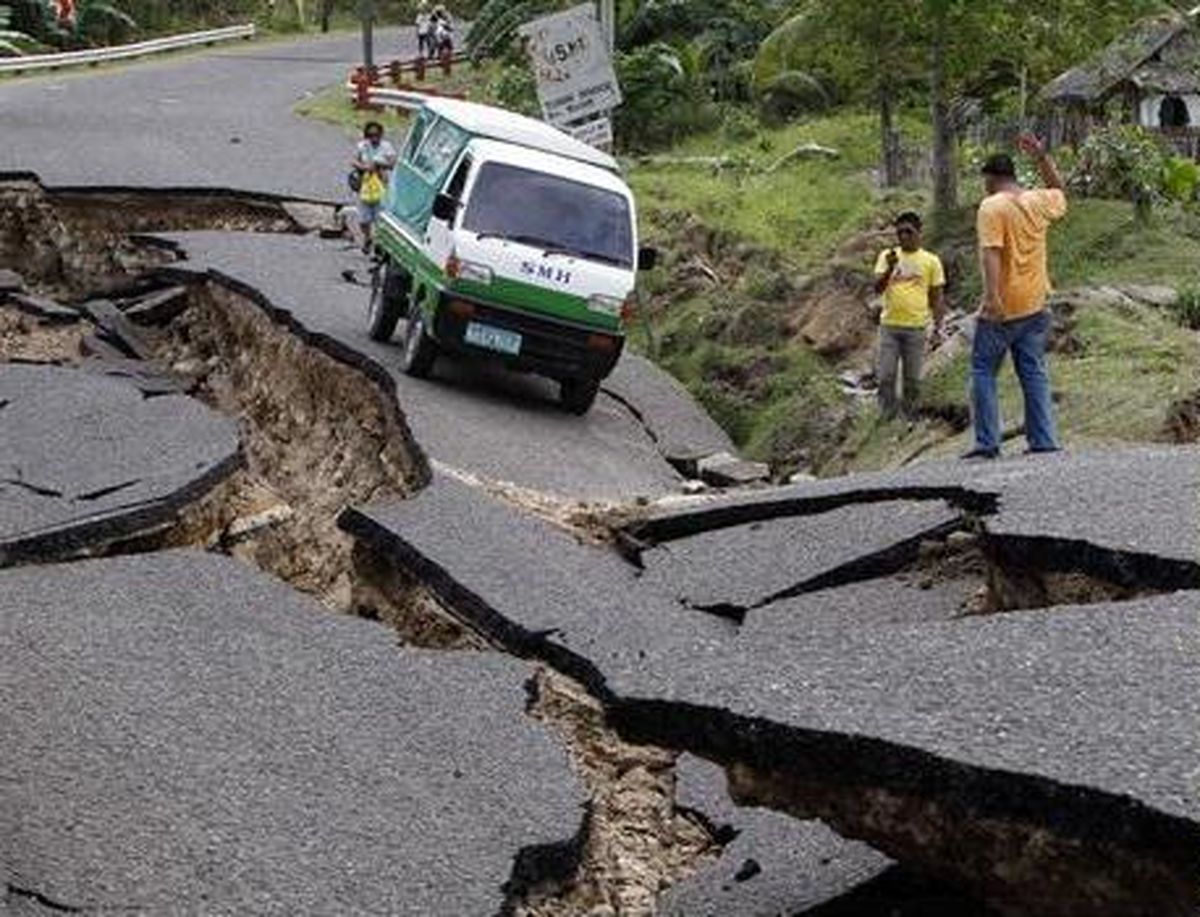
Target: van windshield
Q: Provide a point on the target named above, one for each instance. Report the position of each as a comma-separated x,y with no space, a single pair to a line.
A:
551,213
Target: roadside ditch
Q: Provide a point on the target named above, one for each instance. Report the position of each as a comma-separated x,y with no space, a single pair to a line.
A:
319,432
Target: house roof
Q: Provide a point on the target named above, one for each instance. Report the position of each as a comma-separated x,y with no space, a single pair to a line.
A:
1165,79
1118,62
508,126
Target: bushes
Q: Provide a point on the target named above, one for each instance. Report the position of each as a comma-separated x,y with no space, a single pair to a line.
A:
664,97
1186,308
1127,161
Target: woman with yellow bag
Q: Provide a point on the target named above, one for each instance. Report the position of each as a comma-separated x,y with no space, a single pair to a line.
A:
374,158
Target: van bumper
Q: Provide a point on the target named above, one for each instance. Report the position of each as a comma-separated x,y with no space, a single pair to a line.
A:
549,347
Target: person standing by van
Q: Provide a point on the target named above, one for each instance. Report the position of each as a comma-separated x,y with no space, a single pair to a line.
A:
1012,225
374,159
911,281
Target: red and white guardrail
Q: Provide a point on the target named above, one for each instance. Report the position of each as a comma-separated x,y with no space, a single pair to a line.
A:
123,52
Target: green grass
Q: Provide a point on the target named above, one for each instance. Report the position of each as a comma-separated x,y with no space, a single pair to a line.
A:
332,106
1134,363
801,209
1100,242
761,231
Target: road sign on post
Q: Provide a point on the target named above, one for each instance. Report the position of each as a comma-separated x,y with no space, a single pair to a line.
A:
572,66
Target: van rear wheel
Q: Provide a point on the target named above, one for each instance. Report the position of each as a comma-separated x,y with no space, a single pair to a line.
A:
389,293
420,350
578,395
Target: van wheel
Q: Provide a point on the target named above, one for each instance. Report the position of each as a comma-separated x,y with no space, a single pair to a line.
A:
389,295
420,350
577,395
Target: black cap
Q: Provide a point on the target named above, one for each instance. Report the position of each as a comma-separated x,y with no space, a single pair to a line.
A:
999,165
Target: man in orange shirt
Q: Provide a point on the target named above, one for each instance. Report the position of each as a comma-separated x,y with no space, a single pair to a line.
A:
1012,224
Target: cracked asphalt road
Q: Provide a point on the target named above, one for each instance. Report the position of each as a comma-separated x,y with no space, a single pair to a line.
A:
185,735
1091,707
190,699
84,457
499,425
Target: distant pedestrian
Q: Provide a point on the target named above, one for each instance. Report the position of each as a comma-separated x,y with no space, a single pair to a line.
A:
443,33
1012,224
374,159
424,31
912,282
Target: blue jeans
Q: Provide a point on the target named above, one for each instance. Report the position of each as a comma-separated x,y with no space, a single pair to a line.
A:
1026,338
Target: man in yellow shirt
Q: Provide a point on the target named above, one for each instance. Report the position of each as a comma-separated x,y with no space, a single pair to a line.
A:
911,281
1012,226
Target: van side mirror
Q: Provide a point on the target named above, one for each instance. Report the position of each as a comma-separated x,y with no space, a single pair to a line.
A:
647,258
444,207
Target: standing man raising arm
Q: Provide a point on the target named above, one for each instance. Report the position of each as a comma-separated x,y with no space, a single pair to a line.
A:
1012,225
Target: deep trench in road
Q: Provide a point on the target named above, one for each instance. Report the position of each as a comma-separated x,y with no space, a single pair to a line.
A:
320,434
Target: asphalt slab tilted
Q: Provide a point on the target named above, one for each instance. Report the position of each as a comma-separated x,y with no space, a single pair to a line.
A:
85,457
1084,720
186,735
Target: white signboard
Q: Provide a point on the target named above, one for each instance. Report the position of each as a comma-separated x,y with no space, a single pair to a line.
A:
571,64
597,132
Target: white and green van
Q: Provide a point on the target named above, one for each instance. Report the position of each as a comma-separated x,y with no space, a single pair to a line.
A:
503,238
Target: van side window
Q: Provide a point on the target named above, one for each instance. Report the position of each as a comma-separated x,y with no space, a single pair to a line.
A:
438,151
458,181
416,134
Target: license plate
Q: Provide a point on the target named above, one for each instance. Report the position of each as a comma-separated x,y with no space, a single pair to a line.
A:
493,338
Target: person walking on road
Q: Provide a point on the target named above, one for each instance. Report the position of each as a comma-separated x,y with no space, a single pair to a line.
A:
1012,225
374,159
911,281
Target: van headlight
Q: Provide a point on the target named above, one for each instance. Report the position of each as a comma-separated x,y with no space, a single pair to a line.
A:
609,305
458,269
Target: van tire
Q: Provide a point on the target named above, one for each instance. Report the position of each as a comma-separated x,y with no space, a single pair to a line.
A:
389,298
420,350
578,395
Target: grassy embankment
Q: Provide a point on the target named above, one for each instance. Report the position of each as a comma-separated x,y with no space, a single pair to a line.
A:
754,246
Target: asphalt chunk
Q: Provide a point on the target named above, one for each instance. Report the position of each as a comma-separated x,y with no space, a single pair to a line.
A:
95,460
186,734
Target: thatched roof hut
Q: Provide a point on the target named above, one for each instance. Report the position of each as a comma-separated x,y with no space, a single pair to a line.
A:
1151,75
1097,78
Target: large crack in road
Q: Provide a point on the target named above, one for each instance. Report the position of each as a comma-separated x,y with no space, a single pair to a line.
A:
854,603
319,434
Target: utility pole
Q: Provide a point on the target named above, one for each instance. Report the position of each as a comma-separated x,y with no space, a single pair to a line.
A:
366,11
608,22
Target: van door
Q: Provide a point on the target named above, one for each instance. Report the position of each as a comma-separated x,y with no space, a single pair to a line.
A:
429,153
439,234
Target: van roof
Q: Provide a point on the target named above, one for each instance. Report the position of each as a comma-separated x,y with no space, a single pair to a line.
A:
508,126
490,150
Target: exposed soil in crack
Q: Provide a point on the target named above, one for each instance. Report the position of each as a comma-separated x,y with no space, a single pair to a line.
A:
638,841
26,340
1089,877
317,434
381,592
79,242
592,522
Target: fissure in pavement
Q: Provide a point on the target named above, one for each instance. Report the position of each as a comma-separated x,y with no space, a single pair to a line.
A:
320,433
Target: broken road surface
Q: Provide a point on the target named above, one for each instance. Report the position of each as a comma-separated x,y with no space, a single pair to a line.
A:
1060,743
183,734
